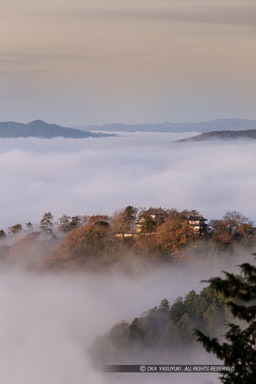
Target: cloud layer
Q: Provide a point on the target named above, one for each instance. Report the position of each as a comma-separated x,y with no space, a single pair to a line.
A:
48,322
91,176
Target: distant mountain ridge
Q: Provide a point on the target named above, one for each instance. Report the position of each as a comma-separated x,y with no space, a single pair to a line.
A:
222,135
41,129
205,126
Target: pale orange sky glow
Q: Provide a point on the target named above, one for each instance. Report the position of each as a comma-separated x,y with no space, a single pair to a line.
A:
82,62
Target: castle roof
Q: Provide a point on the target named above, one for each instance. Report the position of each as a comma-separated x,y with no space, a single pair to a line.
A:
155,211
196,218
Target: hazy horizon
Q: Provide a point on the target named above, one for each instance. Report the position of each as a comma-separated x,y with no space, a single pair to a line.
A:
76,126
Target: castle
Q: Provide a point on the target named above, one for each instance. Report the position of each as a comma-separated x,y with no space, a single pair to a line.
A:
158,216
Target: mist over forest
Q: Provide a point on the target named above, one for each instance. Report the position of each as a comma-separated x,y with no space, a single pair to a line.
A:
51,318
49,321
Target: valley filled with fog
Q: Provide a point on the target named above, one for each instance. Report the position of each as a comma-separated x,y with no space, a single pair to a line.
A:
49,320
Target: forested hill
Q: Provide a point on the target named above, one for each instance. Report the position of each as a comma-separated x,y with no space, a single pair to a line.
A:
223,135
163,328
204,126
40,129
130,239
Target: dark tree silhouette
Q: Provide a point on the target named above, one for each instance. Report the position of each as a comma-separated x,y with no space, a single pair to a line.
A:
239,347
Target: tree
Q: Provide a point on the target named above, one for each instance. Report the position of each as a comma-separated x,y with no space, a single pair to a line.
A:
145,245
90,245
64,224
147,224
164,305
2,234
136,330
173,234
15,229
234,220
46,223
239,348
124,221
233,226
75,222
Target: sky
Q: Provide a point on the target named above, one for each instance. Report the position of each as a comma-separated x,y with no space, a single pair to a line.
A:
98,61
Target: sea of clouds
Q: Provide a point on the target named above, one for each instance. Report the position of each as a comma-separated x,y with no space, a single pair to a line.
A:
49,320
89,176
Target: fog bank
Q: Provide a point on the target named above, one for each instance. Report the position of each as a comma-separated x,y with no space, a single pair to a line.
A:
49,320
142,169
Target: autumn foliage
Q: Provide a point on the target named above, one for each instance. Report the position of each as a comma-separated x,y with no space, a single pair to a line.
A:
98,242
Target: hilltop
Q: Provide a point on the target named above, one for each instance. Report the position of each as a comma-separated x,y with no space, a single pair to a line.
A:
223,135
131,239
41,129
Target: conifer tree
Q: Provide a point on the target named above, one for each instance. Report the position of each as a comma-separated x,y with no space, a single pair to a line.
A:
46,223
239,346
